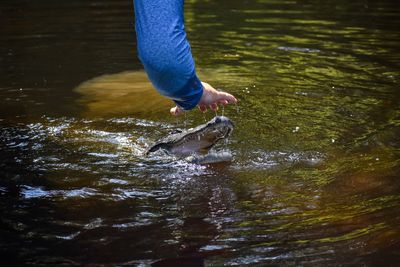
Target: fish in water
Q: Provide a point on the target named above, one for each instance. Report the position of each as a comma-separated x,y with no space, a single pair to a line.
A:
195,140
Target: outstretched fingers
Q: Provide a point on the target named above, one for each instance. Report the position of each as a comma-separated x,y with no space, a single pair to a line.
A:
214,106
210,99
226,98
203,108
223,102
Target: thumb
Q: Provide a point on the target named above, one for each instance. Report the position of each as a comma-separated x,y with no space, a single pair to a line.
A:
175,111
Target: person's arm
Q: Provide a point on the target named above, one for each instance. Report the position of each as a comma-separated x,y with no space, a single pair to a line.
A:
165,53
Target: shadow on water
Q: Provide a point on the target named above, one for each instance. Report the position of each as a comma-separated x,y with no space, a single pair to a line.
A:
315,175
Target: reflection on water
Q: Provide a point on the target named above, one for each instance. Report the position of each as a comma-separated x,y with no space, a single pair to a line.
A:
128,92
316,159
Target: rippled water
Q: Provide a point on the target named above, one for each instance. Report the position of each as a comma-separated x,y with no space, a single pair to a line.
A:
315,174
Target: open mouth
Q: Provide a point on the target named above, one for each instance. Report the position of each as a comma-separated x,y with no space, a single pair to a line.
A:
224,131
218,133
195,139
208,138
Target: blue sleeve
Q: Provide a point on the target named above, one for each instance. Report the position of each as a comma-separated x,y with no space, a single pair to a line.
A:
165,52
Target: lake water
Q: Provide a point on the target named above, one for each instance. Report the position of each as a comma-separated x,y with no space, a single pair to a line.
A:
315,178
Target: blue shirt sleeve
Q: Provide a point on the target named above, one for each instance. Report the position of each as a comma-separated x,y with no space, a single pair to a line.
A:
165,52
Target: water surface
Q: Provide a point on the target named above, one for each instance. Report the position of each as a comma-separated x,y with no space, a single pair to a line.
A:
315,174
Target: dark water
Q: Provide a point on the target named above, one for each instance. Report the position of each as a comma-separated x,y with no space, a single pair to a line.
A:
315,178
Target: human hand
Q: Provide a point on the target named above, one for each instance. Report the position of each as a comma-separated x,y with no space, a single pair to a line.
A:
210,99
